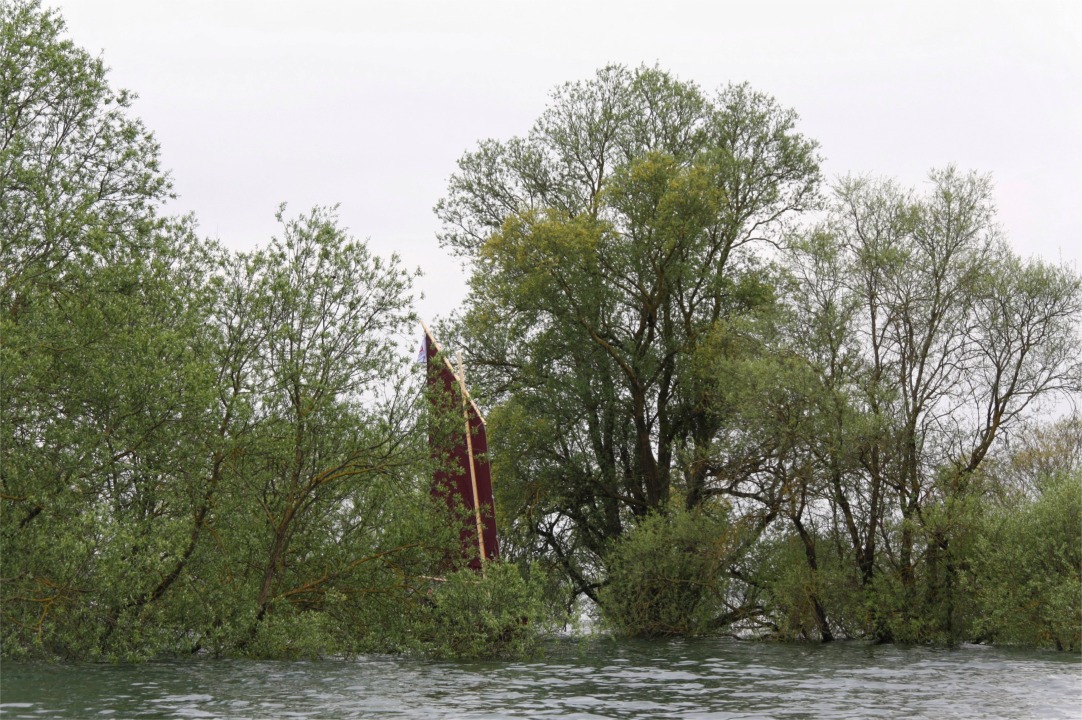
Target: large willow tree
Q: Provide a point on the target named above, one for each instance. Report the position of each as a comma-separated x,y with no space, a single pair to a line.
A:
607,246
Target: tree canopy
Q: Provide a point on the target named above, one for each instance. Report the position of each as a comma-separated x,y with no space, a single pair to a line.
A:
669,317
203,451
608,247
724,395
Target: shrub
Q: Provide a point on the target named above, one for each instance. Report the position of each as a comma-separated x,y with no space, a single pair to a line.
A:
1028,569
496,615
667,575
790,589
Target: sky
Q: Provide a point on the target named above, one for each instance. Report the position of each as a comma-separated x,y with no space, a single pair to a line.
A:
369,105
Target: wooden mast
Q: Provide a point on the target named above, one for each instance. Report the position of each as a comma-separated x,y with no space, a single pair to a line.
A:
461,375
479,491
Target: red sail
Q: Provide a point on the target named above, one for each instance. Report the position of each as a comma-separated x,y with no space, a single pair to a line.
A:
462,472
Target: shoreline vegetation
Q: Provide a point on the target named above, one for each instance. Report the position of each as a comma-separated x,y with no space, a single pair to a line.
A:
725,395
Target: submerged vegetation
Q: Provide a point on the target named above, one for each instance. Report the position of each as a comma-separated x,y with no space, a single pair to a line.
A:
723,396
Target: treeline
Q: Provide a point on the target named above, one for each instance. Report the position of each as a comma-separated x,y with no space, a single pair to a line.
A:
203,451
728,397
723,397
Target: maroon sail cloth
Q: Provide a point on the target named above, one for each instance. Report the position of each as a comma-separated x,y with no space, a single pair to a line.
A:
452,481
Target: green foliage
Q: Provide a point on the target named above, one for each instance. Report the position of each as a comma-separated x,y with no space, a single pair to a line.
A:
1028,569
606,245
891,605
322,389
925,342
296,635
499,614
79,177
105,382
936,604
202,452
205,452
667,575
790,590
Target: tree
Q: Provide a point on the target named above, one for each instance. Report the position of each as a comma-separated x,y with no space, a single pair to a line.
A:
668,575
328,419
105,388
606,247
79,177
931,340
200,451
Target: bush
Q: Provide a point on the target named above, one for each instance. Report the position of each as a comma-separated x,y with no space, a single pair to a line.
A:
1028,569
496,615
790,588
292,635
667,575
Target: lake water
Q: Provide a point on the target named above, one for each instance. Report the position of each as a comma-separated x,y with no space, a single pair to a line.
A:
594,679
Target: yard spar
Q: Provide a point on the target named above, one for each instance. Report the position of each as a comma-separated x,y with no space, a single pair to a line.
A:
462,478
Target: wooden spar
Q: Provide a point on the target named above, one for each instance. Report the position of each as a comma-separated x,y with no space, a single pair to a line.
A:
461,375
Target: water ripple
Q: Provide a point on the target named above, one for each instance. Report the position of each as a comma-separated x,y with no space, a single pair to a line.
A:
601,679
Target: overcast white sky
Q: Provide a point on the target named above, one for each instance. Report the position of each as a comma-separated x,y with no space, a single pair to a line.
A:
370,104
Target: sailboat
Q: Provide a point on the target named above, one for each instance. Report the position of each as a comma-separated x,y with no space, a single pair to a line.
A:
462,478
